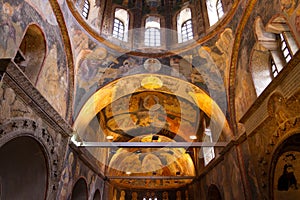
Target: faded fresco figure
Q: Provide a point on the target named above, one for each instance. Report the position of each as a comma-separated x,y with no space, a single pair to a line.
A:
7,28
122,197
278,108
178,195
66,177
134,196
165,196
286,176
287,181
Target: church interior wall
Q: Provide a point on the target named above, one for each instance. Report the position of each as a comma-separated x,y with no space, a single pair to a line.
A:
266,136
17,17
21,124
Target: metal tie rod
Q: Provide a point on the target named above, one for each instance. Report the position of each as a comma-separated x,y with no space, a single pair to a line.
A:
151,144
152,177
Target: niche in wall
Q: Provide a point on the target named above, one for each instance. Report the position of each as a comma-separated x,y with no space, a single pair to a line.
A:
79,191
286,169
23,170
97,195
32,51
213,193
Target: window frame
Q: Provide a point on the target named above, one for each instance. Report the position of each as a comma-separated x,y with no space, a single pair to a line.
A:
214,12
220,9
273,68
118,29
284,47
152,34
86,9
152,31
185,30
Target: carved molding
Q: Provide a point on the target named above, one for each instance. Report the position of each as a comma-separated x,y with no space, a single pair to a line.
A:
287,120
33,98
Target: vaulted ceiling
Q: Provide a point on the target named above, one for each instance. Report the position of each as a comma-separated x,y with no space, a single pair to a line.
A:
127,92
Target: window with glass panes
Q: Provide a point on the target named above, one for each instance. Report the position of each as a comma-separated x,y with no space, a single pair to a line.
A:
118,30
152,37
214,10
86,9
220,9
284,48
274,69
187,31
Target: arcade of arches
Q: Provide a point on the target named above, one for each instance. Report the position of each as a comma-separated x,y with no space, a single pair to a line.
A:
149,99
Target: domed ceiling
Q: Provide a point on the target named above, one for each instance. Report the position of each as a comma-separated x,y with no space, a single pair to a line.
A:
136,93
150,163
97,22
150,112
149,108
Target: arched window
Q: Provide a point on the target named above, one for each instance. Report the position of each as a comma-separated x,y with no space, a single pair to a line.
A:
276,40
86,9
152,37
284,50
187,31
152,32
184,25
118,31
121,24
214,11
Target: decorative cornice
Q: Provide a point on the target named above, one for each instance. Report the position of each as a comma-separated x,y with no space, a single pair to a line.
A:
292,64
22,86
89,160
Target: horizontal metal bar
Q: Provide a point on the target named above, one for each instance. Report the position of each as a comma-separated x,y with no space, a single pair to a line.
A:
151,144
152,177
